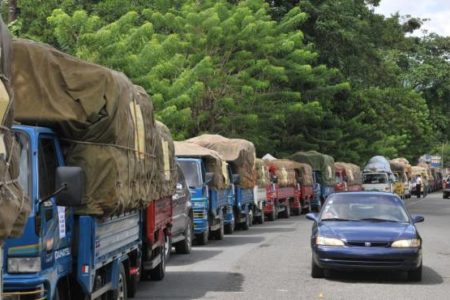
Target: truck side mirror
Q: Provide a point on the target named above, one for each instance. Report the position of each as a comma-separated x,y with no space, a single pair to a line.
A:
72,178
236,178
274,179
209,177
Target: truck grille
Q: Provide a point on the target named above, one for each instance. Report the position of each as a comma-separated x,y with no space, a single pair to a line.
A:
199,215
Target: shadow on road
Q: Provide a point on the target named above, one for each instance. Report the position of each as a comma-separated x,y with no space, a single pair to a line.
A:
234,240
191,285
196,255
429,277
260,230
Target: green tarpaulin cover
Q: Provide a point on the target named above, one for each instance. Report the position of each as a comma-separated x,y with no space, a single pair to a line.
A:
319,162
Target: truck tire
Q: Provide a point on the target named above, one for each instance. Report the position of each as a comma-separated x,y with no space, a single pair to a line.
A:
185,246
219,234
229,228
250,218
121,292
202,238
246,224
287,211
159,271
272,215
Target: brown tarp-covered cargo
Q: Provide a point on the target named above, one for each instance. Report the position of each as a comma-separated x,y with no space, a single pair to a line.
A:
399,163
286,171
428,170
214,162
107,123
418,170
14,204
241,154
306,174
353,172
165,150
262,173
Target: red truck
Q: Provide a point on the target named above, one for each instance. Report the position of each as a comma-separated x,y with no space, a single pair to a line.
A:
285,192
348,177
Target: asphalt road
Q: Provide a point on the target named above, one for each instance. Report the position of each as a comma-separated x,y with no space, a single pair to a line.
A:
272,261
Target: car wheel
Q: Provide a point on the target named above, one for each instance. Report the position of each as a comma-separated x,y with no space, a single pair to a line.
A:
316,271
185,246
416,274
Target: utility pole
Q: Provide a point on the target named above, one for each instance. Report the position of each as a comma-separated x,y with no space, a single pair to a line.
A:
12,10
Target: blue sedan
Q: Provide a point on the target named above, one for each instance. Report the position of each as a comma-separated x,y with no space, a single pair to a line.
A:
365,231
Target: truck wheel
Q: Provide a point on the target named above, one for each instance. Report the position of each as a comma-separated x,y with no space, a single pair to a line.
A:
202,238
246,224
272,215
287,211
229,228
159,271
220,233
185,246
250,218
167,246
121,292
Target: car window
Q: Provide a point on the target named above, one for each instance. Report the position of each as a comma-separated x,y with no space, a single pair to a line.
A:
360,207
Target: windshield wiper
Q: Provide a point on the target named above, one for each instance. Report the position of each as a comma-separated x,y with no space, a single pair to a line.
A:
337,219
378,220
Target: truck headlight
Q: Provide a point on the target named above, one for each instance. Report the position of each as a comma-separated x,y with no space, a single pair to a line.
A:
24,264
324,241
412,243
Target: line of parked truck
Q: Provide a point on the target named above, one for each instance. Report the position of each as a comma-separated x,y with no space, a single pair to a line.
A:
111,194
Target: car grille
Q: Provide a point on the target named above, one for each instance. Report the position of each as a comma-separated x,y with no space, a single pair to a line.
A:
382,262
363,244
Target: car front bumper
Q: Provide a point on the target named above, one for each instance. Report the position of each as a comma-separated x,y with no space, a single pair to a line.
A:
367,258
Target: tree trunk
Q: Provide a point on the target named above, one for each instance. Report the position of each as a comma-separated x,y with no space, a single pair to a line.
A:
12,10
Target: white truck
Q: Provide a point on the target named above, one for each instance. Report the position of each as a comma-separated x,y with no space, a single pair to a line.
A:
378,176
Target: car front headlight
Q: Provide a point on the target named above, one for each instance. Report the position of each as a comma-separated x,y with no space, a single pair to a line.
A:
324,241
412,243
24,264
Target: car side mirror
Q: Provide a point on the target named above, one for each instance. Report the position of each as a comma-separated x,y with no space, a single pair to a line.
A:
209,177
71,182
418,219
312,216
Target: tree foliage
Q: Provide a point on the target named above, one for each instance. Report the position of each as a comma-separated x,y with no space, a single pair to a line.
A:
288,75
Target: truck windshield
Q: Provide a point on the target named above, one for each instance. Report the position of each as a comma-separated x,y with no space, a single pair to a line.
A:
24,163
191,173
375,178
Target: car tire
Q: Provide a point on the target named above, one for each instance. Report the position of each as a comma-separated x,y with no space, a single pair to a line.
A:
316,271
415,275
185,246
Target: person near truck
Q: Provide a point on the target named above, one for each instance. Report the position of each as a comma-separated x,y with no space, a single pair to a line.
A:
418,183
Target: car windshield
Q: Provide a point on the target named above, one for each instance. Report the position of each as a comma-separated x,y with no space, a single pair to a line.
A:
191,173
375,178
374,208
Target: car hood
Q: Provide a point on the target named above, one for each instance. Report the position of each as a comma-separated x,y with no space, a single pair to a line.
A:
367,231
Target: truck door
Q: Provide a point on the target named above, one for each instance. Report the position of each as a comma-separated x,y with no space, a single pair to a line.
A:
180,203
53,219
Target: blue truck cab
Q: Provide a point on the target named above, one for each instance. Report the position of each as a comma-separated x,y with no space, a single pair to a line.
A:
209,204
62,255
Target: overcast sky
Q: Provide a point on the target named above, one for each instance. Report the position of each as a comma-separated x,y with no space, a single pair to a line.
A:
438,11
